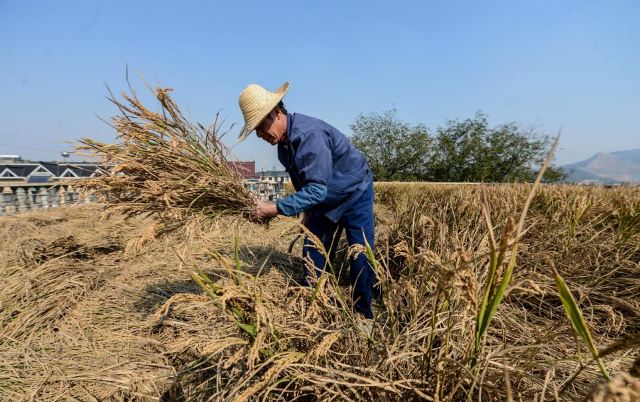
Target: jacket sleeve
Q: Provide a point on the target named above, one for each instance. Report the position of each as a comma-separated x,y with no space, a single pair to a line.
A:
310,195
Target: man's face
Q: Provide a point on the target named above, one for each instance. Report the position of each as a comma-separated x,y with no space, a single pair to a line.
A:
272,128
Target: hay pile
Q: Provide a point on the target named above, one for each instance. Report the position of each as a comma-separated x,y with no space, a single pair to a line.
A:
62,332
93,321
165,166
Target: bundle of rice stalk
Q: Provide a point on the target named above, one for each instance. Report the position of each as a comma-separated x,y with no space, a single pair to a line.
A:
164,166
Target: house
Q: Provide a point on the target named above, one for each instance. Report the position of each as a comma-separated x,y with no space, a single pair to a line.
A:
246,169
274,176
46,172
4,159
272,184
266,184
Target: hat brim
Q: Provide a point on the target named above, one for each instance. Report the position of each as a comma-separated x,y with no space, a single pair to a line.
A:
251,125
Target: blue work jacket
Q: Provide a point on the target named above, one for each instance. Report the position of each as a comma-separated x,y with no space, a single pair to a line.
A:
317,152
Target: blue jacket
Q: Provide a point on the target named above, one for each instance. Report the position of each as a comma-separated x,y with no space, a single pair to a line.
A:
326,170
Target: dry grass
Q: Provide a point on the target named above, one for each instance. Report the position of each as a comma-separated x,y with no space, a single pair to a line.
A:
99,322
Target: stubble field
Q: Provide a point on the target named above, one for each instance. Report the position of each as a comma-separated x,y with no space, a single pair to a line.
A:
95,309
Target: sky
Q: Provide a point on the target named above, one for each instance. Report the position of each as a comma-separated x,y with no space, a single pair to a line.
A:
552,64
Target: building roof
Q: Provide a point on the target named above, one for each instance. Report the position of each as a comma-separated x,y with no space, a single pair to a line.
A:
274,173
21,170
52,169
246,169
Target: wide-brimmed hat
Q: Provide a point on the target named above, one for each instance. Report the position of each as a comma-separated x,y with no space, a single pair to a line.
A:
255,103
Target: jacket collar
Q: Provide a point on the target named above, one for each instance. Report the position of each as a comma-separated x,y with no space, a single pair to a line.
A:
291,130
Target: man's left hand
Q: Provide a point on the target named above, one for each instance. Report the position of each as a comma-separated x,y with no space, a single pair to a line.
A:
265,210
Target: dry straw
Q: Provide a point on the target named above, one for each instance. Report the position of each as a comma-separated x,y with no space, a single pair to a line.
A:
457,320
81,319
164,165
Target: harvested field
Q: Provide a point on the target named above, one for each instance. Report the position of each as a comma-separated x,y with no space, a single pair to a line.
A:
89,311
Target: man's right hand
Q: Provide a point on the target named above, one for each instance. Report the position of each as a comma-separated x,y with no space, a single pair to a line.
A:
265,211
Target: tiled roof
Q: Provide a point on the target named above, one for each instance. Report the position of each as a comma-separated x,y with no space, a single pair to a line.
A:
23,170
19,170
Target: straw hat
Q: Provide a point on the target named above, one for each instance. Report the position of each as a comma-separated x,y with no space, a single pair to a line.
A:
256,102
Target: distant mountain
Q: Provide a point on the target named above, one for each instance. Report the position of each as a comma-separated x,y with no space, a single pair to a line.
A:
607,168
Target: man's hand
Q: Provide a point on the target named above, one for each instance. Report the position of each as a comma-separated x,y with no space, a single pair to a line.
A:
265,210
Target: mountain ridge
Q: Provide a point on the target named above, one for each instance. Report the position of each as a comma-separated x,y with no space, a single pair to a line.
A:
606,167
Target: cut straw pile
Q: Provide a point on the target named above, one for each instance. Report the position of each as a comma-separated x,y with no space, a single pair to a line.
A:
165,166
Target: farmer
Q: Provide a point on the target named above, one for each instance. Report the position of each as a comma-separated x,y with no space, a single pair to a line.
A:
333,183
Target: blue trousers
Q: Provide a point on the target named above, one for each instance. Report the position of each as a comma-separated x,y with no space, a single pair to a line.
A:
357,222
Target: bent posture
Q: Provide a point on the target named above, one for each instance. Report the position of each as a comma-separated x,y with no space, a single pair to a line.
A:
333,183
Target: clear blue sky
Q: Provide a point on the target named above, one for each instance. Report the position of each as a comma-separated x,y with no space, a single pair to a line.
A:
549,63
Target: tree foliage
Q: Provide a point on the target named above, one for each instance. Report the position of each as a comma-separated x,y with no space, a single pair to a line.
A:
395,150
467,150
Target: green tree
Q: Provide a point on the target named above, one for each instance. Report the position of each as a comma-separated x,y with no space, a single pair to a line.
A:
472,151
395,150
462,151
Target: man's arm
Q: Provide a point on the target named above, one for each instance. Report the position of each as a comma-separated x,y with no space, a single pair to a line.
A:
309,196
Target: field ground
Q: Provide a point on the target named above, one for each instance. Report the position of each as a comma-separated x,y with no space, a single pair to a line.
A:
95,309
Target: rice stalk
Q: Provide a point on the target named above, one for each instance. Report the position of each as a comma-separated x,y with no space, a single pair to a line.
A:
493,296
578,323
164,166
